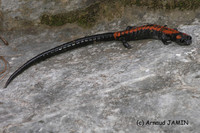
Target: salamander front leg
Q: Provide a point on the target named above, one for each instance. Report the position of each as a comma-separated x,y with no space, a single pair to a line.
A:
166,40
126,45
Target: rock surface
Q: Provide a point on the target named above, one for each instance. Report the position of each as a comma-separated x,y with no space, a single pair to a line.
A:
102,87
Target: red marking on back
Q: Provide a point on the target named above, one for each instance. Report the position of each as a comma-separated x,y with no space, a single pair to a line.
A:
118,34
115,35
143,28
162,29
146,28
156,28
132,30
150,28
127,32
169,31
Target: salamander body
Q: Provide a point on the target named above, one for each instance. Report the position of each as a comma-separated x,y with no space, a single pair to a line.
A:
150,31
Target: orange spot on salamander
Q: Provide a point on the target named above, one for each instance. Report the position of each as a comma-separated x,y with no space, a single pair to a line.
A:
170,31
139,28
115,35
146,28
150,28
178,37
118,34
127,32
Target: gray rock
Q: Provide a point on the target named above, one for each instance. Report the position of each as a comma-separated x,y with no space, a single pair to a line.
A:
102,87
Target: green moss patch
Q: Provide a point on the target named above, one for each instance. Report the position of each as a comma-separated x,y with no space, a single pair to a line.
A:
165,4
84,18
113,9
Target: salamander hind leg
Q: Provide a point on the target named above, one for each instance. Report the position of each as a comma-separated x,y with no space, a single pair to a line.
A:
125,43
130,27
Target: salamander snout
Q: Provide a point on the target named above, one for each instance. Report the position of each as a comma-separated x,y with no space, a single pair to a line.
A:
183,39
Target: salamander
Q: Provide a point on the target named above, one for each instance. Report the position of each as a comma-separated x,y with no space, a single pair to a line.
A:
131,33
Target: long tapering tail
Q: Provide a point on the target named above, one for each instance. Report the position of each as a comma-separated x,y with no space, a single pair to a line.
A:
60,49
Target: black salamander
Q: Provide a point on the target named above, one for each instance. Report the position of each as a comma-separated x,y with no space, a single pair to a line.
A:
150,31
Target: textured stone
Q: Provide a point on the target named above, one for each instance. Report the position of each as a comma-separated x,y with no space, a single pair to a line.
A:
101,87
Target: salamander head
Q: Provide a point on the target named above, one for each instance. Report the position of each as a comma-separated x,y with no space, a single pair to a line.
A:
183,39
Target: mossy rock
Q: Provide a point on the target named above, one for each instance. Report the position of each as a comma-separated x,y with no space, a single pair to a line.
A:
111,9
84,18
